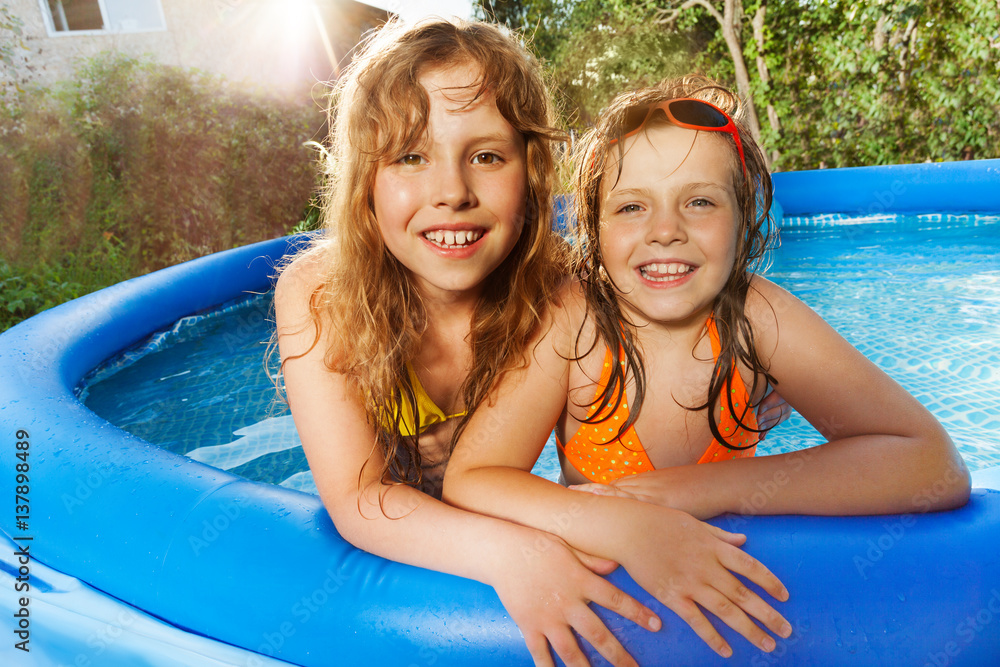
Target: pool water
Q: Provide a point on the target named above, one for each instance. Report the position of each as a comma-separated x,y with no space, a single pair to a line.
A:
918,295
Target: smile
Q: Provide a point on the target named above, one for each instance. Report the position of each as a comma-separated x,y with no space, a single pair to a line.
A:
452,239
666,272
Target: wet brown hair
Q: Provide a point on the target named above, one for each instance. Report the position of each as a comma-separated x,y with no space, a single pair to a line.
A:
754,237
378,111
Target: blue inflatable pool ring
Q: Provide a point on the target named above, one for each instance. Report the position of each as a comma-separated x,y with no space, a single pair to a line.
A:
263,568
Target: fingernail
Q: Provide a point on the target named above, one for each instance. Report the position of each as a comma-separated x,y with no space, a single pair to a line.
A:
655,624
768,644
727,652
786,630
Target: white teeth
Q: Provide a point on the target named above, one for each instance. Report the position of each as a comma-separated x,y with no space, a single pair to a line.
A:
663,272
453,239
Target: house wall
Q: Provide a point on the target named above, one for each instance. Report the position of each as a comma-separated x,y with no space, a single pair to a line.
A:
277,44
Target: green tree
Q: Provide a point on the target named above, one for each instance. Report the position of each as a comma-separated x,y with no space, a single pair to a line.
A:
729,15
839,83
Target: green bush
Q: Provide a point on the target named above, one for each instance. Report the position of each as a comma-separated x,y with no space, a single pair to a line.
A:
134,166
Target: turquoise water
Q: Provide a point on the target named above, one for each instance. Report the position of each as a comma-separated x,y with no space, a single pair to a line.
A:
918,295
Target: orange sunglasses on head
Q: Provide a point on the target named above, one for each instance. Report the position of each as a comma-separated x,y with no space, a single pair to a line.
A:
685,112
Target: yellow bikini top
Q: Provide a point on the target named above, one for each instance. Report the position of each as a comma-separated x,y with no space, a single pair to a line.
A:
430,413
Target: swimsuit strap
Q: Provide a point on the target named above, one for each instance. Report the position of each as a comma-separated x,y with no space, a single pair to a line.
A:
729,426
594,450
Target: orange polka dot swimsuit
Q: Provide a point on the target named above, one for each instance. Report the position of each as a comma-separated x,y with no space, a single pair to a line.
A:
601,457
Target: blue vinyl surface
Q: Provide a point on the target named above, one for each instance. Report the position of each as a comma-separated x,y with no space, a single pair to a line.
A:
262,568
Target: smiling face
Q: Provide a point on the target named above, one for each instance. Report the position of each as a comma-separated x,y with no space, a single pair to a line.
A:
669,224
452,208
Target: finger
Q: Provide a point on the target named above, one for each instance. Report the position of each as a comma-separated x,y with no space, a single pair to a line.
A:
538,647
753,605
689,612
776,415
564,644
770,418
735,539
596,489
735,591
744,564
728,607
615,599
595,564
604,642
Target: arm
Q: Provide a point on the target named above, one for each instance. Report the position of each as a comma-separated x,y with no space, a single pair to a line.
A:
885,452
543,584
694,562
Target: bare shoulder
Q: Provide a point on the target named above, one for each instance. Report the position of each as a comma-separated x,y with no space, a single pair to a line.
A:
768,304
569,317
302,276
295,318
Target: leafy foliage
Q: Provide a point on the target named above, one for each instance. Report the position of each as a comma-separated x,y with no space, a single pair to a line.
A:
12,52
848,83
134,166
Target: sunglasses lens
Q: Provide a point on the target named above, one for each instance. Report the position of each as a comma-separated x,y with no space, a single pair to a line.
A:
634,117
693,112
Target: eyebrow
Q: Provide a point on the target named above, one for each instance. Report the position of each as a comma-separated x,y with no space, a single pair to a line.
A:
495,137
633,192
705,184
628,192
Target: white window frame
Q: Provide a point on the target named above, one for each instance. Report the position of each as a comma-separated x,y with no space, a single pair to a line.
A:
50,26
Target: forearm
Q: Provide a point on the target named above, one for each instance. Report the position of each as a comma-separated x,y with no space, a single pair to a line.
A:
586,522
878,474
413,528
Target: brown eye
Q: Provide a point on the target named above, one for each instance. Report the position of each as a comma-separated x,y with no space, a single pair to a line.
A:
411,160
486,158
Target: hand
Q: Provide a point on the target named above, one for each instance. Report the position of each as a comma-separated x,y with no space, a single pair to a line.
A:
773,410
689,566
545,587
668,487
610,489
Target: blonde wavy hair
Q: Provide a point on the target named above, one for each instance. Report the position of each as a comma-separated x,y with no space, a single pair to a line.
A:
379,110
755,236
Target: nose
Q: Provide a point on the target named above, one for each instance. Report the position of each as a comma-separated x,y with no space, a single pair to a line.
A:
666,228
454,187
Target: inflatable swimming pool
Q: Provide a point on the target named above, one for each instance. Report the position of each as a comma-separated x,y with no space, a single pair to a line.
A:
261,567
